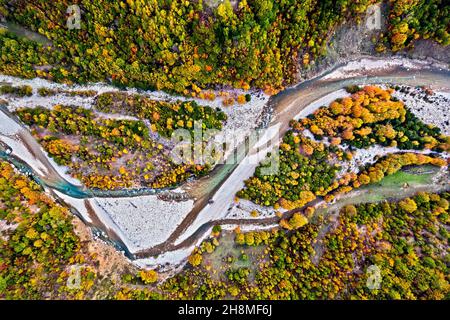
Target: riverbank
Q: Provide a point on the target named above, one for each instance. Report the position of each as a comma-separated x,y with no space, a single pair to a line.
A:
196,225
288,104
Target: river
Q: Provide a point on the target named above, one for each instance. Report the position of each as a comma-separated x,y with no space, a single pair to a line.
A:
223,182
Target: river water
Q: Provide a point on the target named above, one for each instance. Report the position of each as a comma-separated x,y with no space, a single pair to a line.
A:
286,106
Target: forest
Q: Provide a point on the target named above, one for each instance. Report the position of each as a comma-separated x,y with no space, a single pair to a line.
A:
178,45
413,20
39,245
407,241
314,248
300,179
112,153
165,117
372,116
309,166
188,46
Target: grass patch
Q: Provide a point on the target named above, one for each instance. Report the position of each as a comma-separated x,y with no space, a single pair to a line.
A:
401,177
